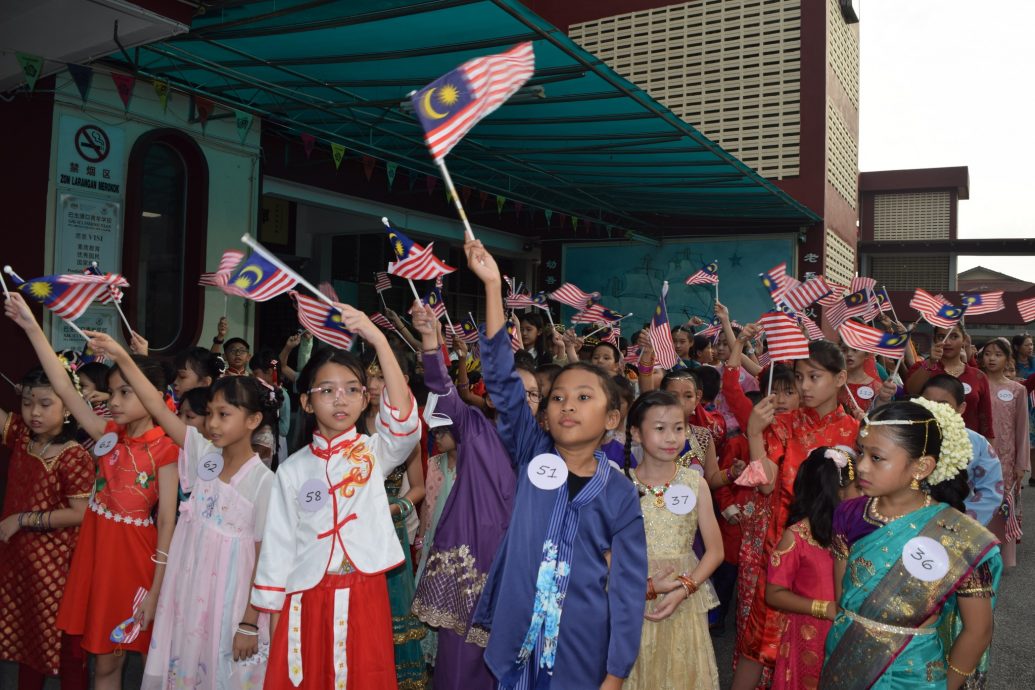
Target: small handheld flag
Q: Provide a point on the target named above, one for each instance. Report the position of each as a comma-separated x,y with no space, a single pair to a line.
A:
862,337
596,313
708,275
783,336
935,310
414,261
515,337
322,320
449,107
469,330
434,301
659,334
857,304
1026,308
382,282
382,322
258,279
67,296
805,295
983,302
573,296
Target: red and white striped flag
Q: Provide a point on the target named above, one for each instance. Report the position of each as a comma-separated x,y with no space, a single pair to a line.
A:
517,300
765,359
454,103
813,331
935,310
515,336
227,264
806,294
69,299
632,354
381,281
983,302
862,337
660,335
1026,308
596,313
862,283
708,275
783,336
573,296
382,322
612,335
322,320
414,261
836,293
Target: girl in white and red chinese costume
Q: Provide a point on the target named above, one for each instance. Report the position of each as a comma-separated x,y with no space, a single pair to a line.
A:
329,537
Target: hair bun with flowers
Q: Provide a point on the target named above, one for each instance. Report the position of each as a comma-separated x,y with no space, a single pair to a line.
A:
956,449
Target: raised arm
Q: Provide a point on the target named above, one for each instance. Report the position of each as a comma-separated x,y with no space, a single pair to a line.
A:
286,372
18,311
149,396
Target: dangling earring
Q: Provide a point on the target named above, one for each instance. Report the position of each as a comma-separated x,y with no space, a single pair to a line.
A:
915,484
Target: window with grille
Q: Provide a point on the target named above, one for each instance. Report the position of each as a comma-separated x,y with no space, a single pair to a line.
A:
838,259
906,272
912,216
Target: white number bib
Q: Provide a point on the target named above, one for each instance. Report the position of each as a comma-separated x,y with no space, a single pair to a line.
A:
925,559
865,392
312,496
967,389
105,444
210,466
680,499
547,471
1004,395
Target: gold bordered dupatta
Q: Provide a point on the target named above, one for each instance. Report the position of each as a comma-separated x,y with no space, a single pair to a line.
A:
879,588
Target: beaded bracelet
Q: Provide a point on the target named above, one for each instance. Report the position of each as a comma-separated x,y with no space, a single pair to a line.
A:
962,673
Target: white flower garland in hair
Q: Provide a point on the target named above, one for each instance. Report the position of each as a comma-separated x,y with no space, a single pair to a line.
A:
957,450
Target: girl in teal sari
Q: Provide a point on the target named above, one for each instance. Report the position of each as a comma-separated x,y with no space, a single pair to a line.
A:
909,561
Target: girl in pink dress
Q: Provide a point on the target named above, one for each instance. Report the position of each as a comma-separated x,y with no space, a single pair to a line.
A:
800,581
206,633
1011,442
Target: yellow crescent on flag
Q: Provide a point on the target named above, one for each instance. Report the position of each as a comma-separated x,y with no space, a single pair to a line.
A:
428,110
244,280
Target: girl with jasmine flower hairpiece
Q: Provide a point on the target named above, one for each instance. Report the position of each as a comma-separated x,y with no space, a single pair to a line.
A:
908,560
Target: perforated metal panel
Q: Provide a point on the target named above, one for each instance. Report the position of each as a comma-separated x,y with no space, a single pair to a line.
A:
731,68
838,259
912,216
843,51
842,157
906,273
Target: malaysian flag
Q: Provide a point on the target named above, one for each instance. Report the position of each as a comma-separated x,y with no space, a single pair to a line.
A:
382,322
713,330
517,300
983,302
862,337
540,299
837,292
632,354
777,282
69,299
573,296
258,279
1026,308
660,335
414,261
935,310
434,301
382,282
454,103
595,313
227,264
883,300
765,359
469,330
322,320
612,335
784,338
114,294
805,295
515,336
853,304
708,275
813,331
860,283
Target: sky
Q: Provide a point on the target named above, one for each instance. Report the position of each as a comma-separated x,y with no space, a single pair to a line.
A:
948,83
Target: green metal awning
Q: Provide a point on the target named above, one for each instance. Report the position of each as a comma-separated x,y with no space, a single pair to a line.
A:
596,146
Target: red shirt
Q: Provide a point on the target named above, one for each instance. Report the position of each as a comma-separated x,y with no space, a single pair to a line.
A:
978,415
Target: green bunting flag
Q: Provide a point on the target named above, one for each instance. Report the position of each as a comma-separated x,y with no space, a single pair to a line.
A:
244,123
162,89
549,216
391,169
337,152
32,66
500,200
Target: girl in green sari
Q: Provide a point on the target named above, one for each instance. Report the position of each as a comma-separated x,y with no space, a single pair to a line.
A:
908,559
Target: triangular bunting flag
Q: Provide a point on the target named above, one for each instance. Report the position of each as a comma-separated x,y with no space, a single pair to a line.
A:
574,223
162,89
204,106
369,163
518,207
244,123
500,201
465,194
308,142
124,85
337,153
83,77
430,182
32,66
390,170
549,216
482,196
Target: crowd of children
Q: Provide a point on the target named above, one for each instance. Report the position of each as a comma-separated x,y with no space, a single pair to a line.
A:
554,514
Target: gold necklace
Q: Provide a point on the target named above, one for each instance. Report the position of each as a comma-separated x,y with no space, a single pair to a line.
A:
880,517
42,453
957,372
657,492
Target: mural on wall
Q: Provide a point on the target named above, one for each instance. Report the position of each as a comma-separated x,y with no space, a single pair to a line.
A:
629,275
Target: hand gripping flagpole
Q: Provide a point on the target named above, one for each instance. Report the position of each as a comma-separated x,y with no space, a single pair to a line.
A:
10,271
441,163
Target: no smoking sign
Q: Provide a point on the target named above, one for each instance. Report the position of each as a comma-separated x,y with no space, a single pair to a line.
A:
92,144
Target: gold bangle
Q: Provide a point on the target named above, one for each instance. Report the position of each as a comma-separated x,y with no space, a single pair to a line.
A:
819,609
962,673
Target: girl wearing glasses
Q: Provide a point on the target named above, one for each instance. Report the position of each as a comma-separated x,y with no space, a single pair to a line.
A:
329,537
